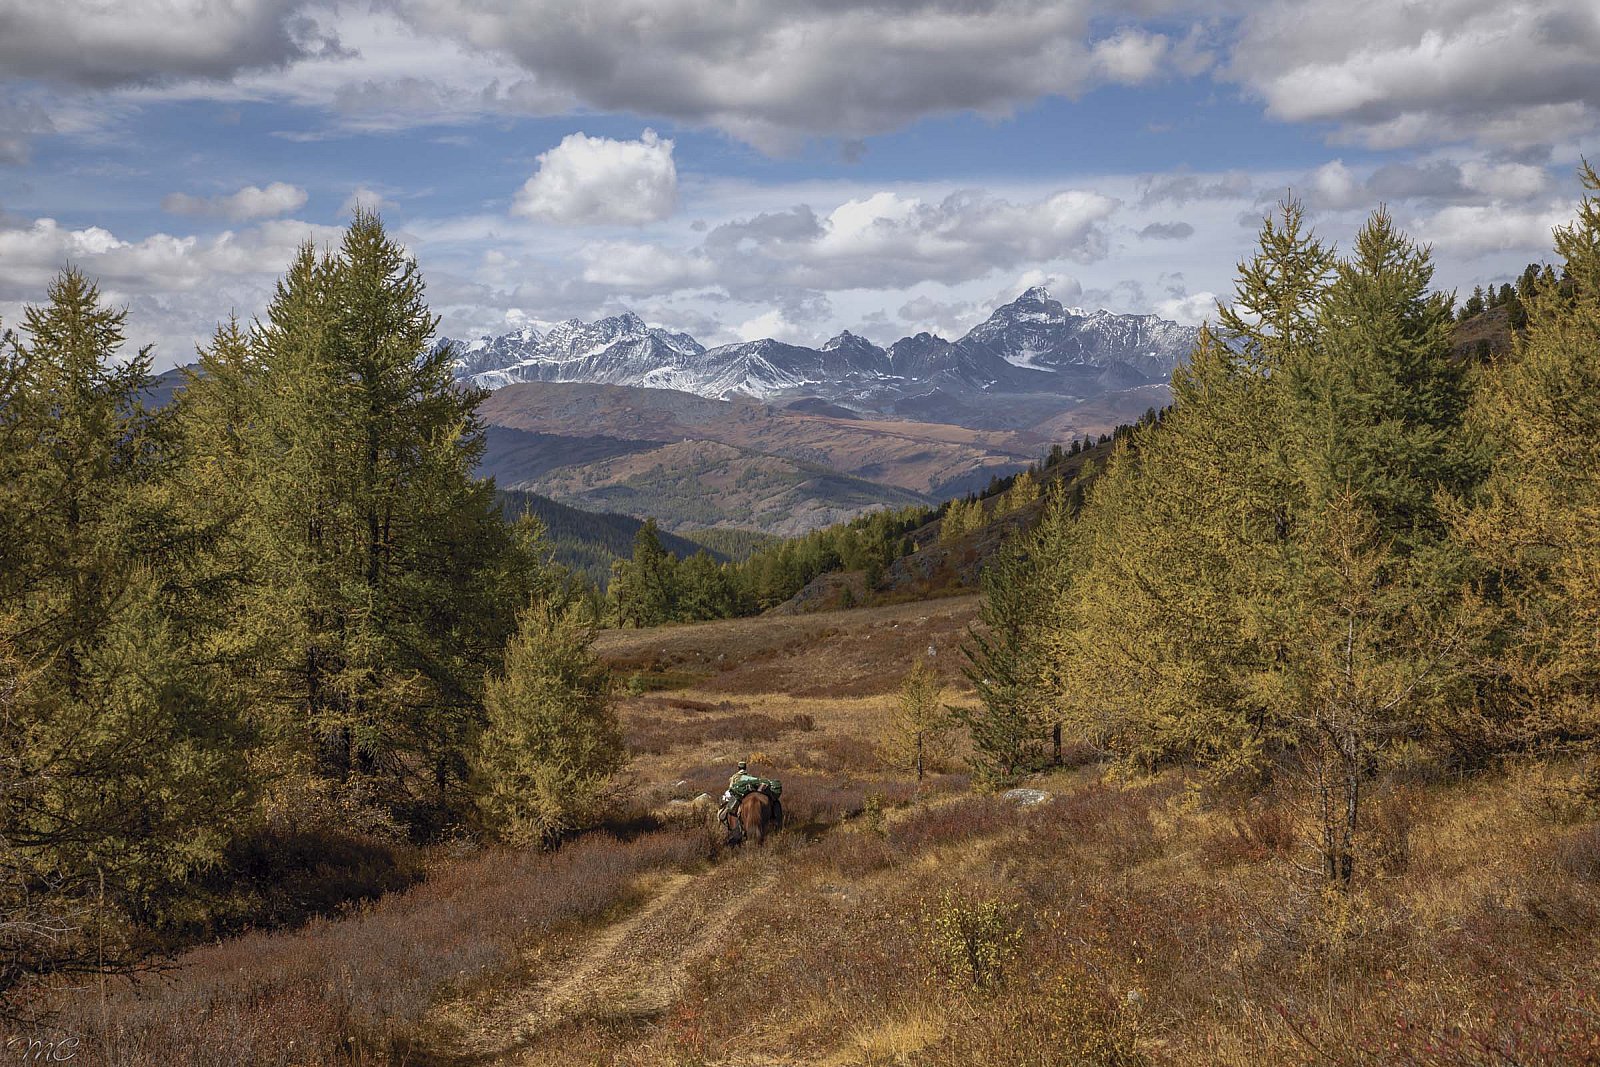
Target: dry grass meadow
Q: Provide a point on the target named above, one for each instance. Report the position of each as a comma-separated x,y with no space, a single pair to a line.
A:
1117,921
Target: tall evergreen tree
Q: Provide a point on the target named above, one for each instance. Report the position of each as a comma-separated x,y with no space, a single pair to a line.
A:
120,738
644,588
1155,650
1536,526
385,581
1159,652
1378,403
1010,660
705,590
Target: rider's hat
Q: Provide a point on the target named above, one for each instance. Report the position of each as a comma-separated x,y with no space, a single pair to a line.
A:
742,765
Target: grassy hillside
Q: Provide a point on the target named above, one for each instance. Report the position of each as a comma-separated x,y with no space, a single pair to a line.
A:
1487,333
694,485
1115,919
923,458
942,561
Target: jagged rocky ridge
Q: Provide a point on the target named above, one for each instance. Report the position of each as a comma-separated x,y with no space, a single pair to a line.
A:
1031,346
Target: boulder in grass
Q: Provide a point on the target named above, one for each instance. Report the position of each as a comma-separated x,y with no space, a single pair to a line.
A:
1025,798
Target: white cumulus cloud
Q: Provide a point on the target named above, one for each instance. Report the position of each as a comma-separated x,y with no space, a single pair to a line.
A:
1131,56
251,202
177,287
884,240
1193,309
1468,230
594,180
363,197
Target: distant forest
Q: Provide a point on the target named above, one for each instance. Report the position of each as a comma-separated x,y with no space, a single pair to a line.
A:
588,542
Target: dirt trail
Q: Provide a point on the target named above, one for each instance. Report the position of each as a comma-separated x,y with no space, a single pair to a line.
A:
634,967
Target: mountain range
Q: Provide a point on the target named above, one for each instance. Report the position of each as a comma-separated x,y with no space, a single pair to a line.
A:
1031,360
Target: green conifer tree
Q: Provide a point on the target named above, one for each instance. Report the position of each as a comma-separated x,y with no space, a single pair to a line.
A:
1378,404
704,589
1535,525
384,580
645,589
552,743
1014,657
121,740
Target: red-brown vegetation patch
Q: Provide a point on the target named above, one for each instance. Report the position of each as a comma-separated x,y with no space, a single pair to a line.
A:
350,991
824,655
648,731
965,820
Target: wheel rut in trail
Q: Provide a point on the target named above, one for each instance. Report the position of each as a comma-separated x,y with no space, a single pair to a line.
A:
633,968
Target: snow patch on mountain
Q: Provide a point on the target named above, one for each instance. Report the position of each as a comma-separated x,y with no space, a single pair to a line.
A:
1028,345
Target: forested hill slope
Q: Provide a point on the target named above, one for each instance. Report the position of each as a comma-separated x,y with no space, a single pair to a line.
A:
949,552
587,541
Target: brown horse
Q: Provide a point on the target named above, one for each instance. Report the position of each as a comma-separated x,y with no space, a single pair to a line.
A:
756,815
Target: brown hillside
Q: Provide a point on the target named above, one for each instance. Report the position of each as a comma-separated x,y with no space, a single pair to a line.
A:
1491,330
940,567
1103,414
1124,918
822,654
921,457
696,484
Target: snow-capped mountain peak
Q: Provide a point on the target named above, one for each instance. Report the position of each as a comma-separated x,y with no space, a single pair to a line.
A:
1030,345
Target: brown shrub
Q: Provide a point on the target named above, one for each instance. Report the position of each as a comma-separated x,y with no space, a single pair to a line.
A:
1578,854
1260,829
1075,754
853,855
1064,1017
967,819
821,800
647,732
1390,819
839,753
278,877
1108,823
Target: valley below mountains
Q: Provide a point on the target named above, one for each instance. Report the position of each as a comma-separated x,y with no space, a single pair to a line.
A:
693,463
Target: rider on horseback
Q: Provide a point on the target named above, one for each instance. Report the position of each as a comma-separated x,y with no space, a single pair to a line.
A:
743,783
736,790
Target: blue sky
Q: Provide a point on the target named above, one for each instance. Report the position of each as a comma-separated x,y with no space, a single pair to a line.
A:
743,168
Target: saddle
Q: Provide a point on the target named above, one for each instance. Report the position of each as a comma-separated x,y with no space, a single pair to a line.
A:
768,787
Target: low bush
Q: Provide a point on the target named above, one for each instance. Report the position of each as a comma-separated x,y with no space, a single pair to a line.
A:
964,820
282,878
972,938
1258,830
1578,854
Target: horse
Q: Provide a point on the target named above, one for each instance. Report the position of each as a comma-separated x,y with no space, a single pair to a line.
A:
754,816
